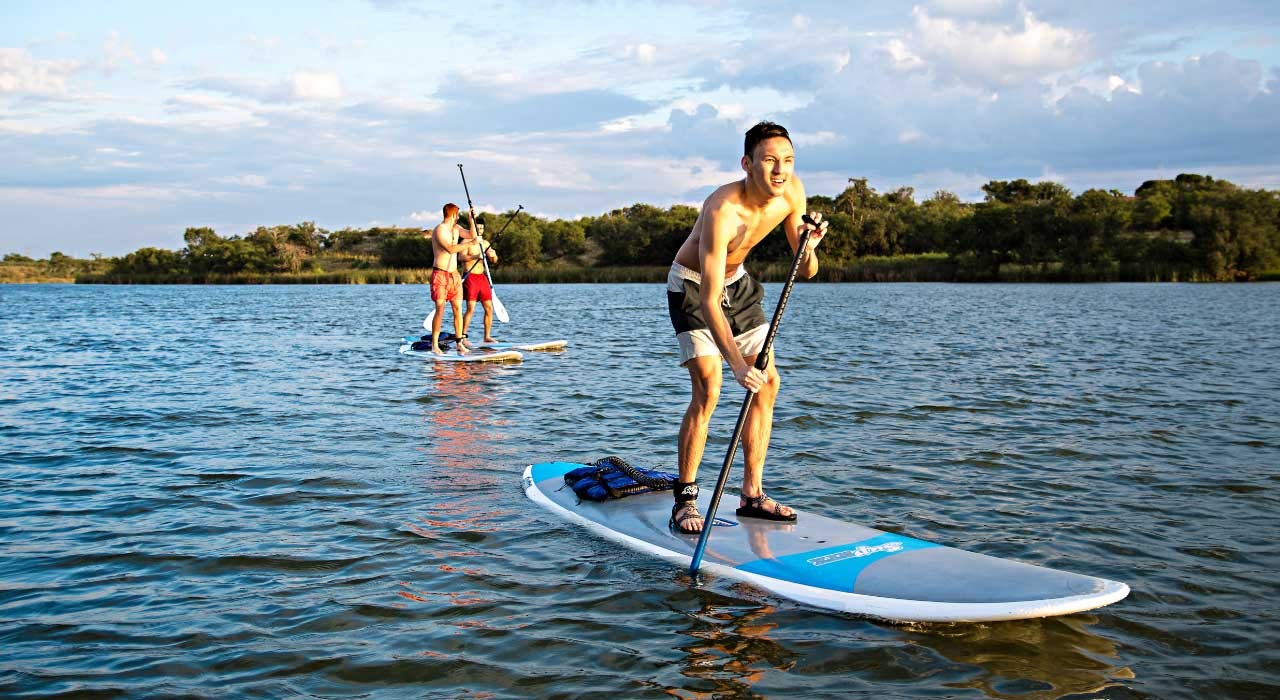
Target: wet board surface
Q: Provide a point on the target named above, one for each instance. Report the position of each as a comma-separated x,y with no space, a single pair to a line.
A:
544,345
505,345
831,564
473,356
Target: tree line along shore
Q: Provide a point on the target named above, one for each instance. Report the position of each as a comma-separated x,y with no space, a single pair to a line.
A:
1190,228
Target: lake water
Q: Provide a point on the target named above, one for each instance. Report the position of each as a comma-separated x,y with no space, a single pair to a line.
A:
247,492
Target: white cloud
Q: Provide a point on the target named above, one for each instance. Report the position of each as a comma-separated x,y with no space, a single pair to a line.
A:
841,60
20,73
994,55
645,53
116,53
909,136
800,22
255,181
158,57
620,125
816,138
902,57
316,86
733,111
18,127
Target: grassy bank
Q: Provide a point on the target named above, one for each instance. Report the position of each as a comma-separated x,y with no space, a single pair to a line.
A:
44,272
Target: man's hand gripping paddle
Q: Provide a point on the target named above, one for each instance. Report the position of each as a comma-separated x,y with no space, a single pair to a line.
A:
762,363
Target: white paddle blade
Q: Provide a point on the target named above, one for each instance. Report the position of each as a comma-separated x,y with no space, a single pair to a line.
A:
500,311
426,322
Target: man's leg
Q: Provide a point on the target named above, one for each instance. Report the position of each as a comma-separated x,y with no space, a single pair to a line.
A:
435,326
755,440
705,375
488,320
463,347
466,319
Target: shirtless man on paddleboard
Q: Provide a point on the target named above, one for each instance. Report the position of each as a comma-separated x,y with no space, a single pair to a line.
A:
475,282
446,284
718,317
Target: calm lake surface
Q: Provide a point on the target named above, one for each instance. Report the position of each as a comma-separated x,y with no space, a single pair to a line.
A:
247,492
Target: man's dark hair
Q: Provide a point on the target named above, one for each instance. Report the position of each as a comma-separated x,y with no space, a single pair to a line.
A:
760,132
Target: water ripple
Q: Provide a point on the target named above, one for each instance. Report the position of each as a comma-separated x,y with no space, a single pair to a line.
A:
213,492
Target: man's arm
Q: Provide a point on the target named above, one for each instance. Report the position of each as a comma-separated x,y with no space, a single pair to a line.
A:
713,249
794,224
448,241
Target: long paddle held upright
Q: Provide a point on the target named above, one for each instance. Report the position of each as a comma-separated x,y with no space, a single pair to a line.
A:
499,311
762,362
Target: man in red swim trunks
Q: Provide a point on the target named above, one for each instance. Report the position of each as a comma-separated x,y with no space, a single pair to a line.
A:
475,283
446,285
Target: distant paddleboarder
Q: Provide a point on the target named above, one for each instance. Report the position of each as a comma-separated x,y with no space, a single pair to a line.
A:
446,284
718,317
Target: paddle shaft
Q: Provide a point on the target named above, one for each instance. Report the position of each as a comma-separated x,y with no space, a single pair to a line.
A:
475,231
762,362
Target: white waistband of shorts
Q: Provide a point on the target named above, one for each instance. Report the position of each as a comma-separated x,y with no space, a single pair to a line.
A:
696,277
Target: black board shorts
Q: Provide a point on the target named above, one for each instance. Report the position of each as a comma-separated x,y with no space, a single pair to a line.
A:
742,303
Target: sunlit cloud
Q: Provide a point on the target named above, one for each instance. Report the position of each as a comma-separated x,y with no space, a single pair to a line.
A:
21,73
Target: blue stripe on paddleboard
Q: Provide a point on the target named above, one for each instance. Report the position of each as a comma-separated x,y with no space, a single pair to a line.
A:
834,568
546,470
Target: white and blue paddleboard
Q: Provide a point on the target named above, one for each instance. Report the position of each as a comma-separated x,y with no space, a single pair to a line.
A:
476,355
544,345
832,564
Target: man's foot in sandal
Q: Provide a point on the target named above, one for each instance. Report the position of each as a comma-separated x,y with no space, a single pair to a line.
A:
685,518
765,508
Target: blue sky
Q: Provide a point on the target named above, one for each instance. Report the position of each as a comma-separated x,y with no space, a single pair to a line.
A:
123,124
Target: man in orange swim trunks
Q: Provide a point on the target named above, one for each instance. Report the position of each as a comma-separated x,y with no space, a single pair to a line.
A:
446,285
475,281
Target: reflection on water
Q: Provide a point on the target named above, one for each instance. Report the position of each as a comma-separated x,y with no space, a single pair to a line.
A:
728,650
732,641
1031,659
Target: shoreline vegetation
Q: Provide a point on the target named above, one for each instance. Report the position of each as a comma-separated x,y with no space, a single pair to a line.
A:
1193,228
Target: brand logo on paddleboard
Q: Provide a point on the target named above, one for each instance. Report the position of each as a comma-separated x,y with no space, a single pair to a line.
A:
855,553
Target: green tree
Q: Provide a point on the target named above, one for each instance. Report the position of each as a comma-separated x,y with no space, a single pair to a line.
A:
563,238
1096,221
641,234
406,251
932,225
150,261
